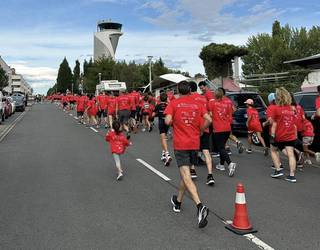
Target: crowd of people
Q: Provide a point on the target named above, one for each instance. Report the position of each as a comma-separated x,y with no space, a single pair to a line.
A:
201,124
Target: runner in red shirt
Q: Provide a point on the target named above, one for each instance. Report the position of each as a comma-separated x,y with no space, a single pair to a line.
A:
146,111
123,111
92,110
254,126
111,107
102,101
185,115
205,90
205,137
81,103
284,133
118,144
307,140
133,104
317,105
64,102
221,111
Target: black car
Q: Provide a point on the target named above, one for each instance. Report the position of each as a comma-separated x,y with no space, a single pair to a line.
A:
308,101
240,116
20,102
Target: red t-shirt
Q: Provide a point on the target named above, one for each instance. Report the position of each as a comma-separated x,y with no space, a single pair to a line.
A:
123,102
81,102
254,123
92,108
64,99
270,110
318,103
136,96
307,129
299,117
170,95
285,118
146,107
133,102
103,101
208,95
201,99
112,102
186,116
221,114
118,142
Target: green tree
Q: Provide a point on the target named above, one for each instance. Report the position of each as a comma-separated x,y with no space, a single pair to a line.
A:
65,77
76,77
217,58
4,80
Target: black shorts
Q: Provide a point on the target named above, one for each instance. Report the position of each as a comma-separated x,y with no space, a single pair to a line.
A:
205,141
145,113
133,114
281,145
101,113
186,157
163,128
124,116
65,104
72,102
80,113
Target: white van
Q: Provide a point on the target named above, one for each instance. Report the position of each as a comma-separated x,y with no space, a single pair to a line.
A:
111,85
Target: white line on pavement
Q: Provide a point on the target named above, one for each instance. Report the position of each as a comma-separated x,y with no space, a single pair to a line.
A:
93,129
154,170
7,131
255,240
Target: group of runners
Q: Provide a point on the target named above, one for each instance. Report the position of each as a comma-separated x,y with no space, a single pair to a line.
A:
201,124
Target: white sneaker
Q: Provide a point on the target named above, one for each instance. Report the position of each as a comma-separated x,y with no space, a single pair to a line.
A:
220,167
308,162
143,130
120,175
232,168
317,155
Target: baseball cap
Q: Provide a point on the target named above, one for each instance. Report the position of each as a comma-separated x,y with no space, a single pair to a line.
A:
249,101
271,97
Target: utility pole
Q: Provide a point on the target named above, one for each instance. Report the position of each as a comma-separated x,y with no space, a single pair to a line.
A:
150,71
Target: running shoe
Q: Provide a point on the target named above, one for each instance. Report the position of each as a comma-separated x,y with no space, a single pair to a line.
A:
291,179
119,177
232,168
210,180
240,147
220,167
176,206
308,162
168,160
266,151
202,214
249,151
281,167
150,129
229,151
317,155
193,173
143,129
163,158
277,174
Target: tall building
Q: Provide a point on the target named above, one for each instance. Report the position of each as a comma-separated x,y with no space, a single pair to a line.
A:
106,39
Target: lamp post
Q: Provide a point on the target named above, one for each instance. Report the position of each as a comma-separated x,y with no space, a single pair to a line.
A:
99,78
150,71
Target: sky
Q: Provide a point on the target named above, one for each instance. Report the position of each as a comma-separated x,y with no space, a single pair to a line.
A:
35,36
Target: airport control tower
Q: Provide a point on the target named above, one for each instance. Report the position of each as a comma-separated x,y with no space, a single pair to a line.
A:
106,39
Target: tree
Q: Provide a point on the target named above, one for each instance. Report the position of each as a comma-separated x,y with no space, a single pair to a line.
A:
4,80
65,77
217,58
76,77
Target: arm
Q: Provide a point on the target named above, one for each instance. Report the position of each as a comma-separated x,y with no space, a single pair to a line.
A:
168,120
207,121
248,120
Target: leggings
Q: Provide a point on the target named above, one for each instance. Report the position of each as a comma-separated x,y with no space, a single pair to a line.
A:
220,140
116,158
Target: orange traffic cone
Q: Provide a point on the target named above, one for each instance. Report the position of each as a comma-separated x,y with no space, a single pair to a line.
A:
241,224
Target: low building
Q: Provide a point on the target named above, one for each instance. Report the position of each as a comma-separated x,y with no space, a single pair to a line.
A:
8,70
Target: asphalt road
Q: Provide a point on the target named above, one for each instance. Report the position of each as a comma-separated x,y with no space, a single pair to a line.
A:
58,191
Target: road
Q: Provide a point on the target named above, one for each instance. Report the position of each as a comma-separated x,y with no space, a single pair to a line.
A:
58,191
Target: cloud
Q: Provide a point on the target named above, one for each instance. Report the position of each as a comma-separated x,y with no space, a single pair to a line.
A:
35,73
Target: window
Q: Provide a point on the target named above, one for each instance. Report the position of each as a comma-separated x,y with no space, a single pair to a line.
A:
239,100
308,102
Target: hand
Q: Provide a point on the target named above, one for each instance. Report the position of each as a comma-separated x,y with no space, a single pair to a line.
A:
130,143
313,117
272,139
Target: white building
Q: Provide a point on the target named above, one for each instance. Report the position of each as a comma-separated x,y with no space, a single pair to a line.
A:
8,70
106,39
19,85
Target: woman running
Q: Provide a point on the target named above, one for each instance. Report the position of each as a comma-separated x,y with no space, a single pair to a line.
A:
111,107
146,112
92,111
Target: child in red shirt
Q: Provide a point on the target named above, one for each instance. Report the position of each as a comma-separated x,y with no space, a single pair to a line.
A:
118,144
254,126
307,140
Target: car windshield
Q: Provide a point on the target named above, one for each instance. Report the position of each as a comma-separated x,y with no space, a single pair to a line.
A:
239,99
308,102
17,98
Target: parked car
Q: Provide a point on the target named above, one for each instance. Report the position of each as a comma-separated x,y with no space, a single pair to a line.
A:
7,107
307,100
19,101
2,115
240,116
13,104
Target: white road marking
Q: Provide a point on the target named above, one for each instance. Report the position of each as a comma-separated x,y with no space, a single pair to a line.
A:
8,129
254,239
154,170
93,129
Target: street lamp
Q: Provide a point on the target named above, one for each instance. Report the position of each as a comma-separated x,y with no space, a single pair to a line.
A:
150,72
99,78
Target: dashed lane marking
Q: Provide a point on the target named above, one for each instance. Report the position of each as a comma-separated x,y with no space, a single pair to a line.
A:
254,239
161,175
93,129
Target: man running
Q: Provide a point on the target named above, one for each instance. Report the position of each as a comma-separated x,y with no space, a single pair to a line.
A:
102,108
185,115
123,111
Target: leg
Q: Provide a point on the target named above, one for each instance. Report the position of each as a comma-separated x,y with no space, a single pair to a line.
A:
208,158
292,160
116,158
249,140
188,184
261,139
163,140
275,158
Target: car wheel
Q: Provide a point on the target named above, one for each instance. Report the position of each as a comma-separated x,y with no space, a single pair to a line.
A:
255,139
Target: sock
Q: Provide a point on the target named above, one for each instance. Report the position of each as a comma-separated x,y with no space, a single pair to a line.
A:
199,206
